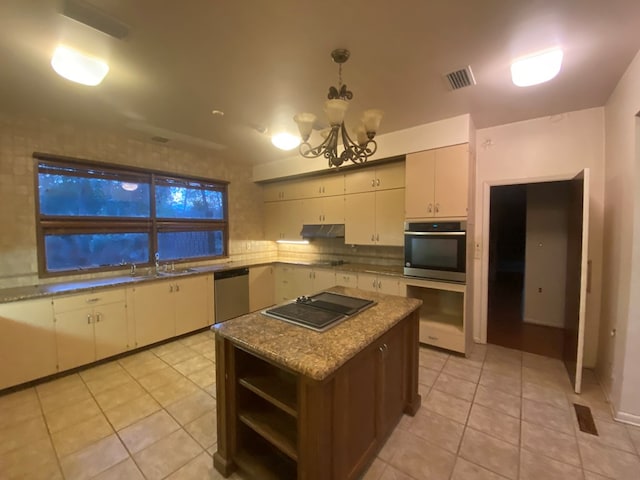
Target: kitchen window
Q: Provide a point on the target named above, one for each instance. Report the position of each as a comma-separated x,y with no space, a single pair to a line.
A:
94,217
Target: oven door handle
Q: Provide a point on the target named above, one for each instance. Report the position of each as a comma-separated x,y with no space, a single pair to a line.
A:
435,233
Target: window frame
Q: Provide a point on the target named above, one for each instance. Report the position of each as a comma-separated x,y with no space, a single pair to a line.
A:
62,224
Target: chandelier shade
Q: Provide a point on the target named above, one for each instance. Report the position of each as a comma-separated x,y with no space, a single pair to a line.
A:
335,109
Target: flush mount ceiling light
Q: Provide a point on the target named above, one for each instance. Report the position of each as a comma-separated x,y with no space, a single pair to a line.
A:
78,67
285,141
537,68
335,108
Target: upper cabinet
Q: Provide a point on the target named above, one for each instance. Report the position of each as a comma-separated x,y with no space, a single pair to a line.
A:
369,179
283,220
274,192
322,186
437,183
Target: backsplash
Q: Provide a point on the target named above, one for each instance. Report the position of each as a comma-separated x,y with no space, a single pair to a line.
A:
335,249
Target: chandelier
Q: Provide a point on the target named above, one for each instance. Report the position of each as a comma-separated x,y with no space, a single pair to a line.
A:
335,108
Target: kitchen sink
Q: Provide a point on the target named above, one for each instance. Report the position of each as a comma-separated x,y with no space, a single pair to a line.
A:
177,271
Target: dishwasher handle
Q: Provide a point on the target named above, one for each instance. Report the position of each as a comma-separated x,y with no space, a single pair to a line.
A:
235,272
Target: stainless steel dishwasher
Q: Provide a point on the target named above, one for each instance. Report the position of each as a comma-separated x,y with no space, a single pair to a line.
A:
231,293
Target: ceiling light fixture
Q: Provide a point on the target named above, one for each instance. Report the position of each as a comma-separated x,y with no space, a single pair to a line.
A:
537,68
78,67
285,141
335,108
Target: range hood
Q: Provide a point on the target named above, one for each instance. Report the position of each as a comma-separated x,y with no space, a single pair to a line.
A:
322,231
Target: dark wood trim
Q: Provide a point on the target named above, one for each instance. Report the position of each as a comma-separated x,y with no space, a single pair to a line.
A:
226,407
115,166
412,335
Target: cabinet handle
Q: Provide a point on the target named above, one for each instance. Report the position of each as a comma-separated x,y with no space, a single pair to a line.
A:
93,300
373,238
377,237
437,207
380,349
322,189
170,288
373,182
177,287
379,284
430,208
373,284
377,182
98,317
430,337
88,318
319,189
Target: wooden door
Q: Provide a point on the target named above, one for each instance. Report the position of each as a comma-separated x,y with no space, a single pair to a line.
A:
74,338
389,211
154,312
392,376
420,184
273,221
359,181
391,175
451,181
577,275
110,329
190,295
312,211
360,218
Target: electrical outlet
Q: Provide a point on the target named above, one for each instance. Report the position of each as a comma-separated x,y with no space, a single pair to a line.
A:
477,251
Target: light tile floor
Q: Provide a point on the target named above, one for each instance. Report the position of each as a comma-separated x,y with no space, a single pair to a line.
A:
497,414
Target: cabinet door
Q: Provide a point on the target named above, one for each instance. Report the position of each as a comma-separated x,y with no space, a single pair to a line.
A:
261,287
452,181
273,221
389,211
325,185
388,285
291,217
333,209
368,281
301,282
420,184
312,211
26,327
154,312
360,218
358,181
323,279
110,329
74,338
190,295
389,176
347,279
392,377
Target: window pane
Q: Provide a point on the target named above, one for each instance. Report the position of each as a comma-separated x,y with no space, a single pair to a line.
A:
92,197
201,243
95,250
189,202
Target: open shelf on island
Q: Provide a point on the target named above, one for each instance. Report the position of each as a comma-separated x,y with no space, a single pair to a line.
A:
279,430
261,460
278,390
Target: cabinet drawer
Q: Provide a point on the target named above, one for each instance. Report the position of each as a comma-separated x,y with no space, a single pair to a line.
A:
443,336
76,302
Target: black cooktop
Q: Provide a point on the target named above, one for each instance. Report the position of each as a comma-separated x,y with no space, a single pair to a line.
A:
321,311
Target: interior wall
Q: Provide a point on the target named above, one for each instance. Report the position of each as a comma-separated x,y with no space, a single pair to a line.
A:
546,254
21,136
451,131
542,149
620,355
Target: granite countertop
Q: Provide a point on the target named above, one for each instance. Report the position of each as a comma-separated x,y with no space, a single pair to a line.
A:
15,294
317,354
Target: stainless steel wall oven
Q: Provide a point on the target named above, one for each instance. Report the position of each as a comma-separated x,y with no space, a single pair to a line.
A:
436,250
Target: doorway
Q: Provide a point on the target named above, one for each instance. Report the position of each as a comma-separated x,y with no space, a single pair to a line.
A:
527,257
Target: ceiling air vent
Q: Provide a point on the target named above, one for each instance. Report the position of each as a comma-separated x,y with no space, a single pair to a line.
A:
160,139
460,78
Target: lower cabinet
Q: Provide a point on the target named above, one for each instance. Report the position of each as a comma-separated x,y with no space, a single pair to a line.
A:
442,319
293,281
171,307
276,424
261,287
27,341
391,285
90,327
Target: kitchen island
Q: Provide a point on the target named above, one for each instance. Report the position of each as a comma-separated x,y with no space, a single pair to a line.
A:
294,403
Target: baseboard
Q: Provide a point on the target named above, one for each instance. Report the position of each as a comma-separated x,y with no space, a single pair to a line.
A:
545,324
627,418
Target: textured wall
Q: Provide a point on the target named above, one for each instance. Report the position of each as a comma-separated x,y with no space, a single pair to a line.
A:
21,136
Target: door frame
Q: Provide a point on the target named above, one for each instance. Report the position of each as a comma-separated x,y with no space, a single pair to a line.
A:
481,320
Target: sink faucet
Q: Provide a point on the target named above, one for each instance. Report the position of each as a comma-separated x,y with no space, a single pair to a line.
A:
133,269
157,257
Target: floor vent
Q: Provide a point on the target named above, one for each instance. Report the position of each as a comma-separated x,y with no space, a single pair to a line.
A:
460,78
585,419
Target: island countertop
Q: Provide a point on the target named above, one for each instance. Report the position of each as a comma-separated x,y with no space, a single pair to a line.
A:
317,354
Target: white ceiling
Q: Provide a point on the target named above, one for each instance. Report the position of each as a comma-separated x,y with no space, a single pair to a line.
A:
261,61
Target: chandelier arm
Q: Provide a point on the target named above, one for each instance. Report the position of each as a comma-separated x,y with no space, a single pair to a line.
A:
307,151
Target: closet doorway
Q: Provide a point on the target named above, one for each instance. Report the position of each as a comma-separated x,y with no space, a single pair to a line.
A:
527,267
